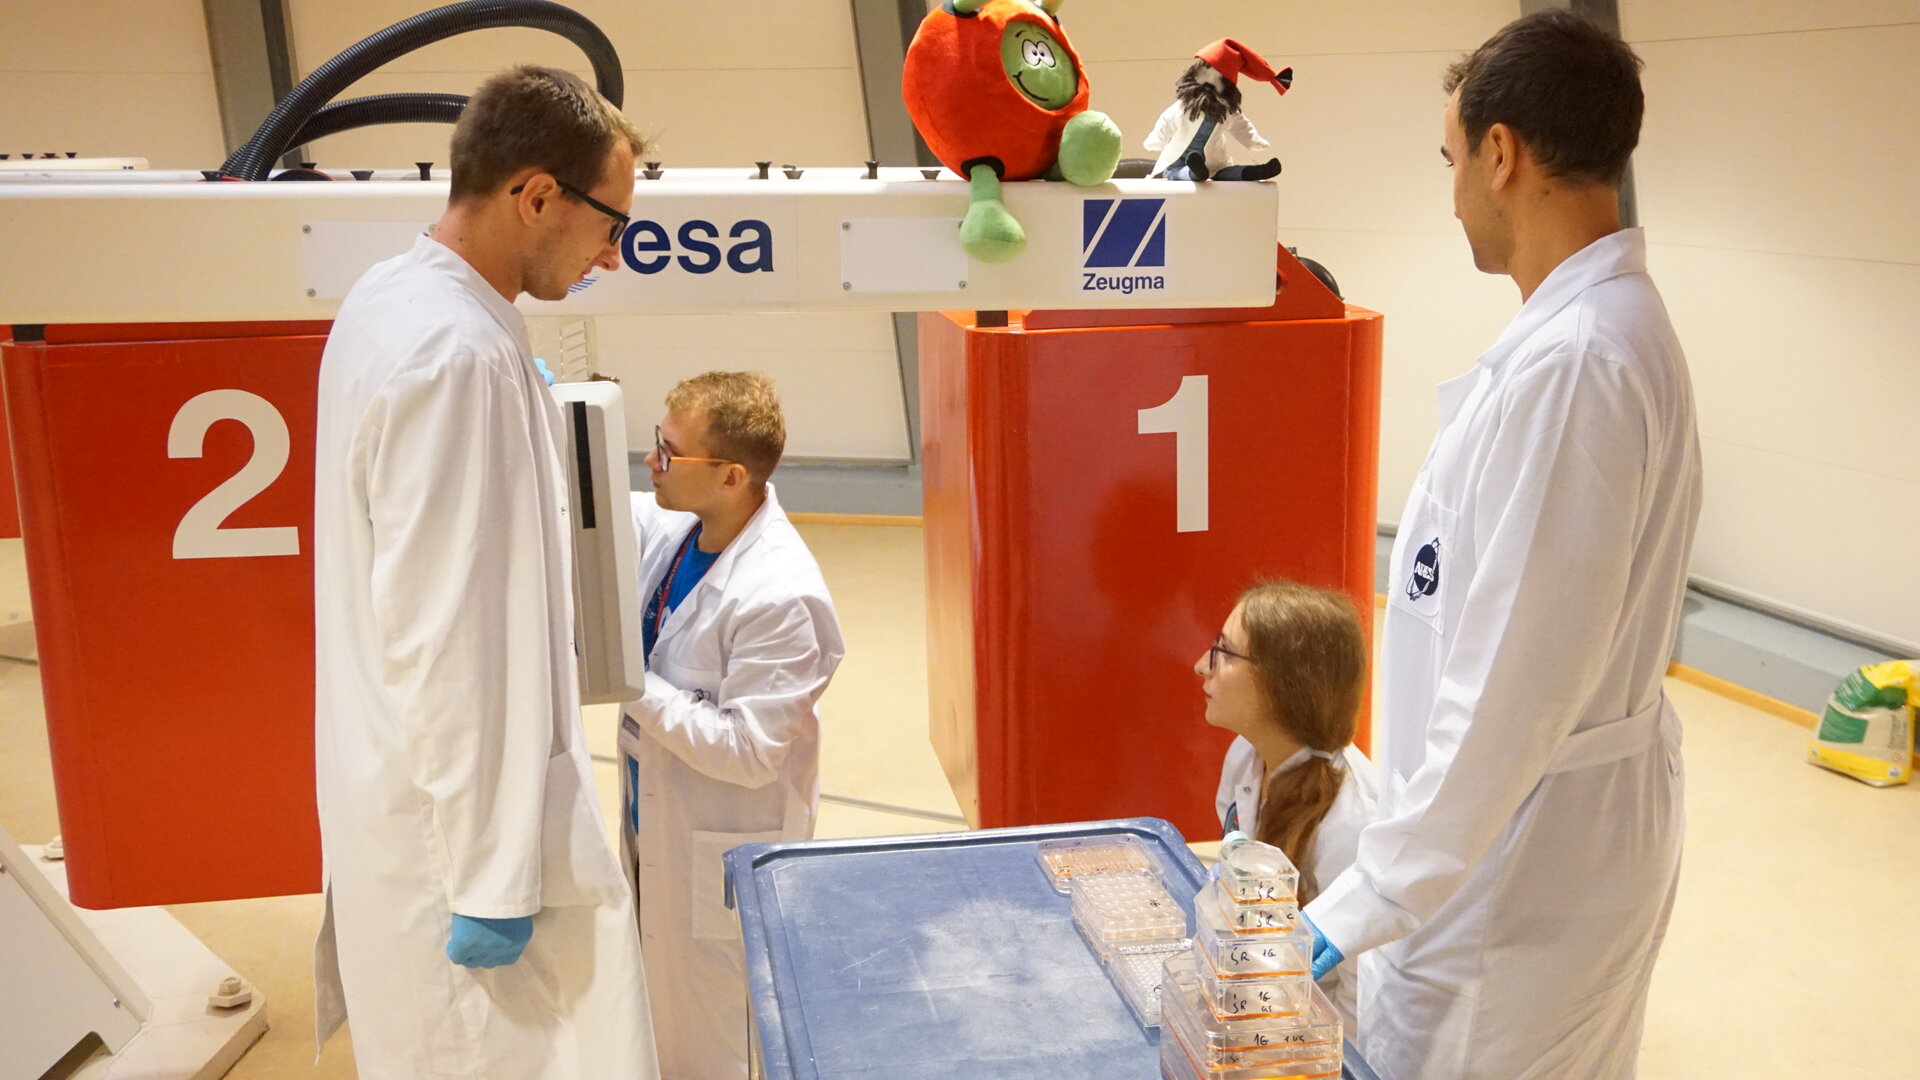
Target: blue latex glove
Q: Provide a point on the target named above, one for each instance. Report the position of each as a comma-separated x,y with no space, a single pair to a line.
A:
488,943
545,372
1326,955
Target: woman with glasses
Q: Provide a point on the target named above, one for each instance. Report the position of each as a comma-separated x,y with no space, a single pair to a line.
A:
1285,675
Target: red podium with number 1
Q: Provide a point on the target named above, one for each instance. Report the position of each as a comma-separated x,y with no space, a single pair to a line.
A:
1099,488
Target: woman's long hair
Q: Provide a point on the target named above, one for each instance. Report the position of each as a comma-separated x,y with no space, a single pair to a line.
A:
1310,656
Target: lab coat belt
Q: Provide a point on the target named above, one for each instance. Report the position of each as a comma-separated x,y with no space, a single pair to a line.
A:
1614,741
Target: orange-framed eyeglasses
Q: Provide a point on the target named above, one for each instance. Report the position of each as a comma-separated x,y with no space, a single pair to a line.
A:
666,460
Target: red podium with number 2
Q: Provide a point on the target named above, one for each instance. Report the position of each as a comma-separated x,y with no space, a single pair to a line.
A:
166,492
1099,488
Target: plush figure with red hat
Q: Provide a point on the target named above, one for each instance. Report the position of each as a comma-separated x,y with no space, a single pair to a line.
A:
1192,134
998,94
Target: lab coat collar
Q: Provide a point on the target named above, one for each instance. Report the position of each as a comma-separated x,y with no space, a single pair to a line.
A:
1611,256
757,525
433,253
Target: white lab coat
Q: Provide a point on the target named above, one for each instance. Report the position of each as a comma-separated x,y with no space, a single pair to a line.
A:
1238,804
452,772
1516,888
1175,129
723,750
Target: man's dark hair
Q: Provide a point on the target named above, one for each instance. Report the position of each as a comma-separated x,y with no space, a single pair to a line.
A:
1567,87
539,117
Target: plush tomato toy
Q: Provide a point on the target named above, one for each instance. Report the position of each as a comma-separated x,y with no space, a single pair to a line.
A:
998,94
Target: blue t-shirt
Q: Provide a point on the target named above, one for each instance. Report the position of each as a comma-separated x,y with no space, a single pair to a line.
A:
676,584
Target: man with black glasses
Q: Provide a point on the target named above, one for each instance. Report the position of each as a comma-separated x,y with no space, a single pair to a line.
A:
477,923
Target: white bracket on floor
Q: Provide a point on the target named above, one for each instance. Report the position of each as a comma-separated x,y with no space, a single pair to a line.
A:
162,1004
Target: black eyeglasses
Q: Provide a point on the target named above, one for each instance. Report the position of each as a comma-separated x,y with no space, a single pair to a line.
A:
1219,649
620,220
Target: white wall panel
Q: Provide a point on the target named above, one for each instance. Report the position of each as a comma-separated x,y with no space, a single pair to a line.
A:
109,78
712,85
1660,20
1281,32
1804,143
118,36
171,119
1816,359
1407,427
1776,182
717,39
1832,541
838,375
754,116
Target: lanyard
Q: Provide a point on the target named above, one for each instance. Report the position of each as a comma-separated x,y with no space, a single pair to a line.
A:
666,585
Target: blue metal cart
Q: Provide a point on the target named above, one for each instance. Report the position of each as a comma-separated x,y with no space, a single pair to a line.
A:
938,956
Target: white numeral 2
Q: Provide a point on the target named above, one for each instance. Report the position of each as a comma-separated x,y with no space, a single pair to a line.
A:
1184,415
199,535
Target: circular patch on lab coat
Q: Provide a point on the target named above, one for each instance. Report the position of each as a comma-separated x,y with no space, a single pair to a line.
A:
1425,579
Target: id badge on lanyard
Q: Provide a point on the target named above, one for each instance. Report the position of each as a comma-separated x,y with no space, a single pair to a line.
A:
657,609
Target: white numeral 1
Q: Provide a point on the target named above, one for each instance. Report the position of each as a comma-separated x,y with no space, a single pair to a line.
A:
199,535
1184,415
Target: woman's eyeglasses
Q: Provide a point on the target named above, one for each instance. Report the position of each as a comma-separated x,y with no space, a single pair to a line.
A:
1219,649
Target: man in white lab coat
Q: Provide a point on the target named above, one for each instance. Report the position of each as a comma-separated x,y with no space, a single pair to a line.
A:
477,924
1511,899
724,747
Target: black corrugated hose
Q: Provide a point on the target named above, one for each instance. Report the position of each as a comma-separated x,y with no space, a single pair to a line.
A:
295,111
380,109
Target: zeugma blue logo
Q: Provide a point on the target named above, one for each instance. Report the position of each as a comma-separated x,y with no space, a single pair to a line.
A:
582,285
1120,234
698,247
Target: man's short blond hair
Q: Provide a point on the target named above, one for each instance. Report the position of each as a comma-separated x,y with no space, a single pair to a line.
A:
743,417
537,117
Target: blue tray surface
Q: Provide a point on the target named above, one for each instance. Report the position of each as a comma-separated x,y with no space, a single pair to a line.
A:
942,961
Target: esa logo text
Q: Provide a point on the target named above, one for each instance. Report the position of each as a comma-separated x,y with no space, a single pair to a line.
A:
698,247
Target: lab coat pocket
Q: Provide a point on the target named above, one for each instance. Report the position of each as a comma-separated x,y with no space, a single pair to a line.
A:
576,862
1422,560
711,919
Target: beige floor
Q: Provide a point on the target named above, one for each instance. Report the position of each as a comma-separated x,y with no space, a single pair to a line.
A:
1796,907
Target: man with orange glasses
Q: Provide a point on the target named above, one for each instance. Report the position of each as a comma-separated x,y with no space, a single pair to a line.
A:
724,747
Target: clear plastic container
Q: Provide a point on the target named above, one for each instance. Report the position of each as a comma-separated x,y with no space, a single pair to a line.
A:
1310,1037
1250,916
1127,908
1264,997
1136,971
1253,872
1174,1064
1062,860
1179,1061
1236,954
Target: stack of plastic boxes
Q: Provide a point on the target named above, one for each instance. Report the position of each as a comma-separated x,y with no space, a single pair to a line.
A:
1123,909
1241,1005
